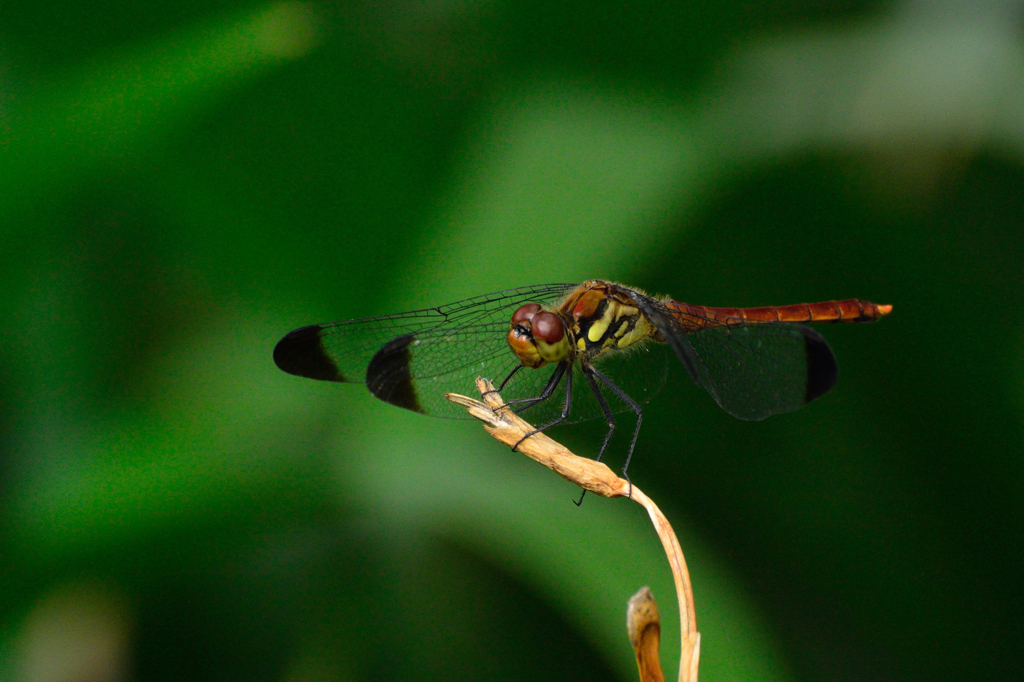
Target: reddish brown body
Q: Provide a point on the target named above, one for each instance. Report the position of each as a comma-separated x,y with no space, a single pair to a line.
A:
697,317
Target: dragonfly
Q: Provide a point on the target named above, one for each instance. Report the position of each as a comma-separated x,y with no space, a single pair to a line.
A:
566,353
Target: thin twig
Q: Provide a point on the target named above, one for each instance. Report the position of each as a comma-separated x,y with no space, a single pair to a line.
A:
506,426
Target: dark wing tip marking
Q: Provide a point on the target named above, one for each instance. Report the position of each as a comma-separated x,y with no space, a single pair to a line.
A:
301,353
822,370
388,376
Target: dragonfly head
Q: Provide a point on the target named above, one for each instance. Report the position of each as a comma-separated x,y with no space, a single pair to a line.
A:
537,336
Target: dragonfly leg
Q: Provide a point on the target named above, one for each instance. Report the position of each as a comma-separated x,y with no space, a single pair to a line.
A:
588,372
549,388
566,407
501,388
632,404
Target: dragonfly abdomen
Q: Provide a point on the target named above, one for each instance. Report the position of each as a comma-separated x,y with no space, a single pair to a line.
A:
695,317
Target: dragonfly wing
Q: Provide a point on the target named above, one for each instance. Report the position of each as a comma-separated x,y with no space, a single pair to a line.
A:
751,370
415,371
341,351
412,359
672,334
755,371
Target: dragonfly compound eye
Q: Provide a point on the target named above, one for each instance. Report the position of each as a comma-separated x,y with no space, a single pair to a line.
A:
520,336
549,336
525,313
547,327
537,336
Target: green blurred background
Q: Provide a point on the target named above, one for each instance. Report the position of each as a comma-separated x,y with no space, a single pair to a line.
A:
182,183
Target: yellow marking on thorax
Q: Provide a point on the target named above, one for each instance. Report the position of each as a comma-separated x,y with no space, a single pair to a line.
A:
641,330
618,317
599,327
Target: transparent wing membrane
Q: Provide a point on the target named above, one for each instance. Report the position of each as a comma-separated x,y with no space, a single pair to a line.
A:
751,370
756,371
441,350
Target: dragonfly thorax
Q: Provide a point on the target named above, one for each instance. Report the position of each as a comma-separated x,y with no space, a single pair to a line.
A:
538,336
605,319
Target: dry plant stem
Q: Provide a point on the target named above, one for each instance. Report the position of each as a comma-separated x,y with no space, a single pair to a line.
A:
644,626
689,654
504,425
